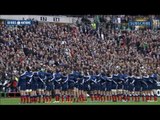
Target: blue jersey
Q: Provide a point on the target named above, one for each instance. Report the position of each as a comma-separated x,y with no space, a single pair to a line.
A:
49,78
98,76
131,80
86,79
35,78
121,79
57,78
138,83
103,79
71,78
93,79
64,80
42,75
81,80
22,80
115,77
25,78
137,80
154,76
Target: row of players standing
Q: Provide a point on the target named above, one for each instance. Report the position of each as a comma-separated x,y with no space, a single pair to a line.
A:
76,85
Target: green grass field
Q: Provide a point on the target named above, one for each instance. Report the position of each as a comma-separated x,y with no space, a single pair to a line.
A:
15,101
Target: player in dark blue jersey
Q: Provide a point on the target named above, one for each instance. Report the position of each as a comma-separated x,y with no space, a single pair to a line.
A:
76,79
108,86
28,85
120,81
103,86
41,85
71,83
130,88
125,86
49,86
64,83
86,84
153,78
24,85
114,85
34,86
138,79
93,85
98,88
144,86
57,84
81,87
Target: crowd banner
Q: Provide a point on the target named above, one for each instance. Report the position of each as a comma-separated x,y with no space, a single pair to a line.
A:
40,18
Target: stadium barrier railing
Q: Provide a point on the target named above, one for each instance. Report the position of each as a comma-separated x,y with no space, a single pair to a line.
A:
9,94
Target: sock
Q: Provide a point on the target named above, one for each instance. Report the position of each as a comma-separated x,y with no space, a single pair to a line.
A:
67,98
132,97
101,98
155,97
62,98
72,97
35,98
138,98
118,97
146,98
104,98
95,96
108,98
143,98
115,98
22,99
83,98
150,97
43,97
91,97
27,97
39,97
128,98
31,99
58,97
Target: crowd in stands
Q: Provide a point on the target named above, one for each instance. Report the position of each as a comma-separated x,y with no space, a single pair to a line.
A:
80,45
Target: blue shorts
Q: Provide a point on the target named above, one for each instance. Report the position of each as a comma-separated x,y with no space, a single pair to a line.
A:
94,87
130,88
103,87
120,86
86,87
49,87
57,86
138,88
108,88
81,87
76,85
125,87
28,86
34,86
22,87
114,86
64,87
41,86
71,86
